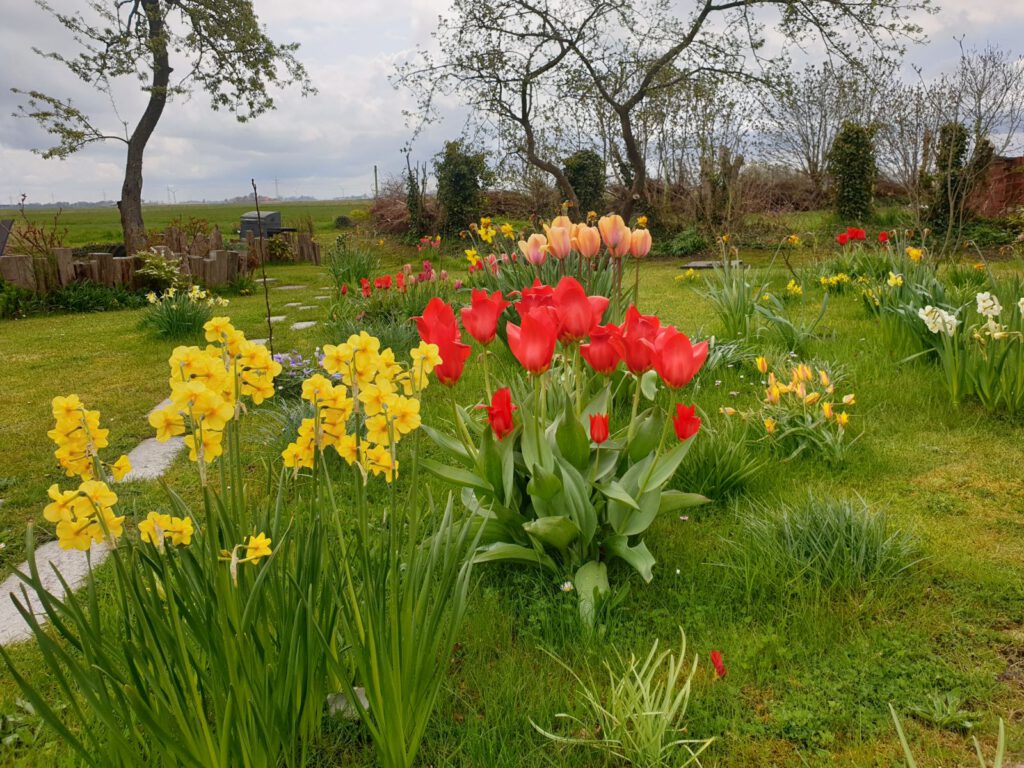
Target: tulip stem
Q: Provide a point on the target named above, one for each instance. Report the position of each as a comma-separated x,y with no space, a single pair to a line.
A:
636,284
487,375
636,406
460,425
578,377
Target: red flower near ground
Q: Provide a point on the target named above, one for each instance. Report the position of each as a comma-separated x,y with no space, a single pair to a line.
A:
883,237
686,422
437,323
499,413
856,234
718,664
480,319
577,313
635,330
675,359
533,342
842,238
604,351
453,359
344,289
599,427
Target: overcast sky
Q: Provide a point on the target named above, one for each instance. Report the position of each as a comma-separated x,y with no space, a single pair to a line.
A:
325,145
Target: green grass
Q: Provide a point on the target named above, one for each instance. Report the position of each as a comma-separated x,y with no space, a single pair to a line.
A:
103,225
808,684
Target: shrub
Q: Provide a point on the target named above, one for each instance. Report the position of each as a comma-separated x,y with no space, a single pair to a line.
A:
586,173
90,297
851,164
689,242
818,550
346,263
342,222
461,177
18,302
158,273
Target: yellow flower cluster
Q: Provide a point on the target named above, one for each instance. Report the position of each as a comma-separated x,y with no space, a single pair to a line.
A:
194,294
375,395
689,274
486,231
207,386
793,241
838,280
156,528
793,288
84,515
78,437
914,254
806,389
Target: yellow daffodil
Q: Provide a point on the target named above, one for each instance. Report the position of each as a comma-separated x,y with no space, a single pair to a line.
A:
257,548
914,254
120,468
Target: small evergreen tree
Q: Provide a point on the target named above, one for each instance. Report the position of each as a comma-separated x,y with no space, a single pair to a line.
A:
955,176
461,177
851,166
585,171
414,202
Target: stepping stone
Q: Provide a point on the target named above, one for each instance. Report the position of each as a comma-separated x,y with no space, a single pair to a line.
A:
259,341
710,264
266,280
73,566
339,705
289,287
151,458
303,325
307,308
294,304
321,298
277,318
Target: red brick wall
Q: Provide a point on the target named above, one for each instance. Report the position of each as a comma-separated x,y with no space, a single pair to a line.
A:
1002,190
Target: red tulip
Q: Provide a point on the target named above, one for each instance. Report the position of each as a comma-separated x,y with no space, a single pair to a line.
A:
577,312
675,359
539,295
635,330
437,323
534,342
480,319
344,289
856,234
499,413
718,663
453,359
842,238
686,422
604,351
883,237
599,428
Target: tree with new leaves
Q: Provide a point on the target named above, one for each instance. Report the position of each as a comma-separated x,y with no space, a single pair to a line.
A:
626,52
171,47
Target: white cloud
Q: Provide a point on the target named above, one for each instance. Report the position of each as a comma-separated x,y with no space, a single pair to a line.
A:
325,145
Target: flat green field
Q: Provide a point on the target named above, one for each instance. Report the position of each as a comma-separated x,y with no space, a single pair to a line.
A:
102,225
808,685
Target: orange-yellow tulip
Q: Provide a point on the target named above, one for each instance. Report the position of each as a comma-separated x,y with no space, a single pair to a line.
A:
587,241
616,234
559,240
563,222
640,243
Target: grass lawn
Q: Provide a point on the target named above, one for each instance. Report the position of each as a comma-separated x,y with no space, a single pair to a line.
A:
103,225
808,683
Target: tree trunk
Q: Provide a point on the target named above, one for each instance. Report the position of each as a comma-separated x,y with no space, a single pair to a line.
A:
130,204
636,162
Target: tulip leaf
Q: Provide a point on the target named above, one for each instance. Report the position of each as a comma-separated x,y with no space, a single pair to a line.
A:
555,531
488,460
649,384
635,474
572,439
598,403
629,521
536,449
637,556
502,551
576,493
675,500
591,583
543,483
448,445
665,467
647,435
456,476
615,491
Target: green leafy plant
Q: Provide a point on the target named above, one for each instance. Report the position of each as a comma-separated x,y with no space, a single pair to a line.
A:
179,314
794,335
733,298
158,273
636,714
346,263
997,760
461,176
585,171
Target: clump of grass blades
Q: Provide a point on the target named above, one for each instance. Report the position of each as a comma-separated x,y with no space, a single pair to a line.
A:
640,715
722,461
997,760
346,263
177,317
819,550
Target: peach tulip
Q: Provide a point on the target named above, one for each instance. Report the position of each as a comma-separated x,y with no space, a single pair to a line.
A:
640,243
559,240
563,222
535,249
616,234
587,241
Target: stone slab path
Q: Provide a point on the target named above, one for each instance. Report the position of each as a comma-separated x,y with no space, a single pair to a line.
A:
289,287
151,458
303,325
73,566
277,318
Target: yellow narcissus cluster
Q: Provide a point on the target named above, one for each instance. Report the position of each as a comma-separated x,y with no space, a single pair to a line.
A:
78,437
157,527
207,386
367,410
84,515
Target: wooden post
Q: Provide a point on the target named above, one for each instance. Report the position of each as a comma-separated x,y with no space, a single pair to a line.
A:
18,270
